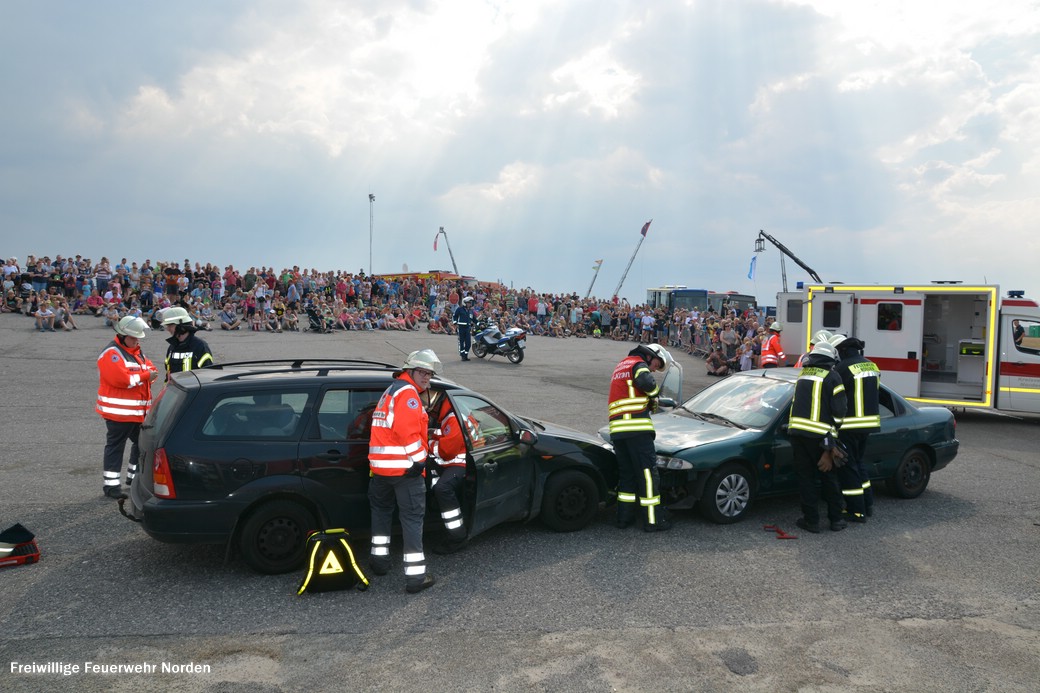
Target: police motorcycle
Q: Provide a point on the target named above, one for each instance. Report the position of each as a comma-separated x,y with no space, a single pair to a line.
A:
490,340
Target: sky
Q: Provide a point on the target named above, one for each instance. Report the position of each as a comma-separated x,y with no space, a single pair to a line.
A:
880,141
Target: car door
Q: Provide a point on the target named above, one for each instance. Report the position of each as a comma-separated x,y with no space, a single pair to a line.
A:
503,478
334,454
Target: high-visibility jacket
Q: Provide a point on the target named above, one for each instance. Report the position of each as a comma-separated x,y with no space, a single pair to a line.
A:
861,378
399,436
631,389
819,403
772,353
192,353
449,443
125,385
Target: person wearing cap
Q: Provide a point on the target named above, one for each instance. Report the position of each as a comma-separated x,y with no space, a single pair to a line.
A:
397,453
633,397
817,409
772,353
123,399
463,319
862,380
186,350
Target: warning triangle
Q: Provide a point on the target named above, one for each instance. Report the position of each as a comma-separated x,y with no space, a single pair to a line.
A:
331,565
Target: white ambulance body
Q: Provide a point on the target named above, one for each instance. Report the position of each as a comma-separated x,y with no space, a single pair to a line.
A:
945,343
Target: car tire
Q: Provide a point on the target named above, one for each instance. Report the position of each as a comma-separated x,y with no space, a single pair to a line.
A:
727,495
273,539
912,474
571,501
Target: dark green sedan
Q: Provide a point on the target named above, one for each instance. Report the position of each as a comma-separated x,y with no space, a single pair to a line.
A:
728,445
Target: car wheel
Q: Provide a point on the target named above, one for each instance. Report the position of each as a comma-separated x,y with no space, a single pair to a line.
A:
727,495
912,474
274,538
479,349
571,501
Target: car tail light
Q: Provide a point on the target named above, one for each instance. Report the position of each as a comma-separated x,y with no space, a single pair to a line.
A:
162,480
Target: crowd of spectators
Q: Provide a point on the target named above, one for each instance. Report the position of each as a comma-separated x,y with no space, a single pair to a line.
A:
55,291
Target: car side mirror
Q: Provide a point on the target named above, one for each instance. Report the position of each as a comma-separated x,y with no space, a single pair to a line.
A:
528,437
667,402
783,428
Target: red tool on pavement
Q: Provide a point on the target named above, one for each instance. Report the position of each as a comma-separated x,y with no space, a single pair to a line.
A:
780,534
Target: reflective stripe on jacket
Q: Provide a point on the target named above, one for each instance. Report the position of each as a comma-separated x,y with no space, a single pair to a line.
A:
631,388
862,380
819,403
399,430
125,383
187,355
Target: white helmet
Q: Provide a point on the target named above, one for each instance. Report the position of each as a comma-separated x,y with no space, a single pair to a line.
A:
826,350
131,326
821,336
467,299
175,316
660,352
776,326
423,358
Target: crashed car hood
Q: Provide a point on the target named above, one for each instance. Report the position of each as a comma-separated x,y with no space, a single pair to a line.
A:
677,432
562,432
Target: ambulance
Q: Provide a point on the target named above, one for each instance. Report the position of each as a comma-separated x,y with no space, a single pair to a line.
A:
943,343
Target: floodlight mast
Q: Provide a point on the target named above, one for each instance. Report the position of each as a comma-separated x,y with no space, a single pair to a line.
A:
760,246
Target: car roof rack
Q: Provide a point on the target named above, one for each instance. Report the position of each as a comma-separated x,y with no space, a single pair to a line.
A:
306,364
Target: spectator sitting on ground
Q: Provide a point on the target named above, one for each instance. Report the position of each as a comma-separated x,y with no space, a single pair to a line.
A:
11,304
63,317
229,318
95,304
716,363
111,315
45,317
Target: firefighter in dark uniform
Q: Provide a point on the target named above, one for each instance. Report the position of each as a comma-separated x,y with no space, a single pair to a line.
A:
397,453
633,397
816,412
448,445
186,351
862,380
463,320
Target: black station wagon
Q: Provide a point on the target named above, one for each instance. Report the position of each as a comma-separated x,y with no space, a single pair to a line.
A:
255,455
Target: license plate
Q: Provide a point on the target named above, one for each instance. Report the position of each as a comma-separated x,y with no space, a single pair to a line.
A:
521,343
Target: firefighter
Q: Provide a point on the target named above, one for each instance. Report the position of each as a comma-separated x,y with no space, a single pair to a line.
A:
633,397
463,319
862,380
772,353
186,350
448,444
397,452
123,398
816,412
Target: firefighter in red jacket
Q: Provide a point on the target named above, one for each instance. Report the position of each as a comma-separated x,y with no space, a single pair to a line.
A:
397,452
124,397
448,444
772,353
633,397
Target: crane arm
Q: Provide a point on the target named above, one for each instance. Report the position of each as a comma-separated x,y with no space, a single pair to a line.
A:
783,249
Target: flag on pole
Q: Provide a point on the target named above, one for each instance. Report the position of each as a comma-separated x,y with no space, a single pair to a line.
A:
751,269
646,227
435,241
598,263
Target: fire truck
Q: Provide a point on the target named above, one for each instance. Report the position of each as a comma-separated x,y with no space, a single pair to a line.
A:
942,343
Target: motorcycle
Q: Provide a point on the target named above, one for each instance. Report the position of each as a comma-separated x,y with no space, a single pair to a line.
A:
490,340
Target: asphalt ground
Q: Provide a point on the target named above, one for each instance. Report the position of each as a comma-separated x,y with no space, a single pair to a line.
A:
940,593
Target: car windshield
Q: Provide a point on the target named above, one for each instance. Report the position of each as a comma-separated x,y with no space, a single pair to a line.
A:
752,402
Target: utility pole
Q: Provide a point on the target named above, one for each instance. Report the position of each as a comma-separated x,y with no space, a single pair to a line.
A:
371,222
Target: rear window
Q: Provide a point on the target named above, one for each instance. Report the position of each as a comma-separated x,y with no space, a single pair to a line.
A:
270,415
164,410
